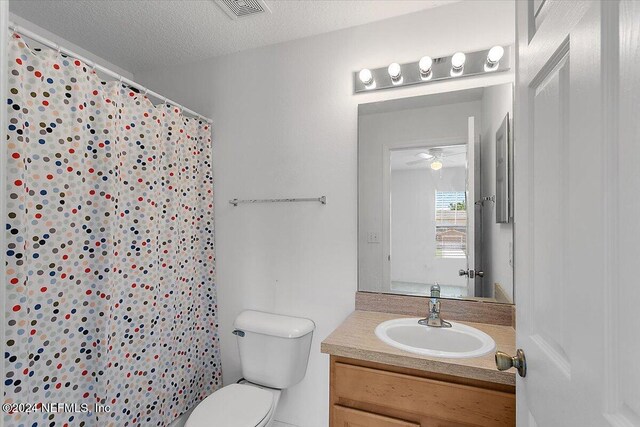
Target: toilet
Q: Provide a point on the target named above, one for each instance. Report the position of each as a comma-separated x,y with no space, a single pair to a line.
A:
274,351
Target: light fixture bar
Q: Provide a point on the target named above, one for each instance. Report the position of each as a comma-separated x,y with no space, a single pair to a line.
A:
474,65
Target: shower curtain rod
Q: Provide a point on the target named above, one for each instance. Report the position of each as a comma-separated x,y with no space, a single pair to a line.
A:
42,40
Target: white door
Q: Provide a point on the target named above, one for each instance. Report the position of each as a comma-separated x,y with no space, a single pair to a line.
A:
577,210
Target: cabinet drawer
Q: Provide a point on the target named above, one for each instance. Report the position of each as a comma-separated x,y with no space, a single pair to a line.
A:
348,417
422,396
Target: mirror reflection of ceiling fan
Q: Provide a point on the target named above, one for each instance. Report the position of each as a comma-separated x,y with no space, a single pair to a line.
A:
435,156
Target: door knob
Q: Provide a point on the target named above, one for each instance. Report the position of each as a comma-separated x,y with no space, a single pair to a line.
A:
471,273
504,362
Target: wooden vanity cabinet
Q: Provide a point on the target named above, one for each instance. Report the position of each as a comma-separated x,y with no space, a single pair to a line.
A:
366,394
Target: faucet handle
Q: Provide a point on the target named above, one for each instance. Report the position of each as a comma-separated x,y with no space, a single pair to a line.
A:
435,290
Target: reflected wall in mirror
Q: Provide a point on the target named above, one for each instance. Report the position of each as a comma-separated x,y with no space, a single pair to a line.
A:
426,195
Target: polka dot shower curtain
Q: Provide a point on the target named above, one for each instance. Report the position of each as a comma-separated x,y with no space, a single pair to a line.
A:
111,312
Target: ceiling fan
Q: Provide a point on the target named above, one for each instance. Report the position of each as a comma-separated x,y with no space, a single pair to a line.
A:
435,156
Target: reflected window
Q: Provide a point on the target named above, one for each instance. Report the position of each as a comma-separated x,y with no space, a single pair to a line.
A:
451,224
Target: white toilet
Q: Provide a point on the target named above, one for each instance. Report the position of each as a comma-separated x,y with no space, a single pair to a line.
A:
274,351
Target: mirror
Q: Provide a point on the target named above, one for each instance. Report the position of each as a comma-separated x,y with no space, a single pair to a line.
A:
435,195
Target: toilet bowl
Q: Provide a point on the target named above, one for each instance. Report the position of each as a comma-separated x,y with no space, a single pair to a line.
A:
274,352
236,405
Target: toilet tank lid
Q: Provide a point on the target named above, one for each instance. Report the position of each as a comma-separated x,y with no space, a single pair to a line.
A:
276,325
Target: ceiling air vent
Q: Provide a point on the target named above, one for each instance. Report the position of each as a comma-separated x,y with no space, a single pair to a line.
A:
243,8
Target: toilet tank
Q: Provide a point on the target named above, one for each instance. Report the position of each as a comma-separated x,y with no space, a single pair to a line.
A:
274,349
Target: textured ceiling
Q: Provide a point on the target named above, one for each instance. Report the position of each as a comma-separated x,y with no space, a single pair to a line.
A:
139,34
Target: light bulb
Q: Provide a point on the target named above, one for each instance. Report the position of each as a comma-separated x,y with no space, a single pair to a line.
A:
457,60
425,64
395,72
365,76
495,54
436,165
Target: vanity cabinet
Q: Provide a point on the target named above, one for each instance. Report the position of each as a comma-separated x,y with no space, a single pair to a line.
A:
367,394
349,417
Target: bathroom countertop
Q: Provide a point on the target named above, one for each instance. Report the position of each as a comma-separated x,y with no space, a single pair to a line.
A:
355,338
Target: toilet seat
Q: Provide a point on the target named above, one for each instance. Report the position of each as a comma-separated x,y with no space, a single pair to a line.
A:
236,405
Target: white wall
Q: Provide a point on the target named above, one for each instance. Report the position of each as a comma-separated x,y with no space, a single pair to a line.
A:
376,132
497,101
413,231
285,124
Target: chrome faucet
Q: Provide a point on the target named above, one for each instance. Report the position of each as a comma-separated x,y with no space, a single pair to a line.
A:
434,319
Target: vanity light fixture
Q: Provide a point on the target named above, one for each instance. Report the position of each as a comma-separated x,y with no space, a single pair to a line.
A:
493,58
366,77
457,63
436,165
395,72
424,65
428,69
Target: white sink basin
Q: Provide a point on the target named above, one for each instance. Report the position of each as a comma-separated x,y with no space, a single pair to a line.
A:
459,341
